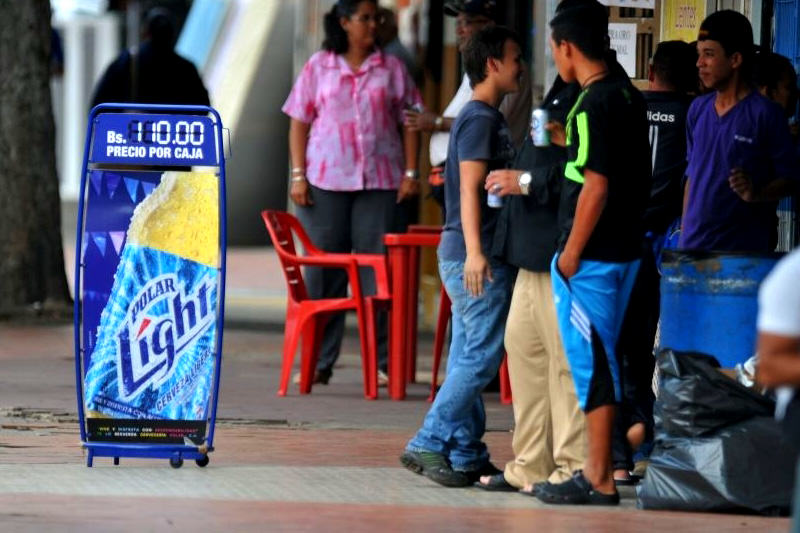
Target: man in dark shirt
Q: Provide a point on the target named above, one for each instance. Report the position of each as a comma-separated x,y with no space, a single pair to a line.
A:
672,76
154,73
603,196
549,429
448,448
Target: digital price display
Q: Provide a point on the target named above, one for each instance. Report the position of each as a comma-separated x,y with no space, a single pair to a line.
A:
151,139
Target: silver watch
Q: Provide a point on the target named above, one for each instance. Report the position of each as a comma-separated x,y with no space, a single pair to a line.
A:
524,182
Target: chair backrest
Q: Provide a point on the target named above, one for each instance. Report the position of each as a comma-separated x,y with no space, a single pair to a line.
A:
282,227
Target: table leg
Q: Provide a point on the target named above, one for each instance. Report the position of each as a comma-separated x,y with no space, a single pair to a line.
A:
413,307
398,260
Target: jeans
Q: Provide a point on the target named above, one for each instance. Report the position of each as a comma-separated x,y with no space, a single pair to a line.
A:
456,422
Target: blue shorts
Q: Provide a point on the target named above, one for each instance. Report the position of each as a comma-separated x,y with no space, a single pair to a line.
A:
590,307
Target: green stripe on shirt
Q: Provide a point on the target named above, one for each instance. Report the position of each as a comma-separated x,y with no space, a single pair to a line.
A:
574,169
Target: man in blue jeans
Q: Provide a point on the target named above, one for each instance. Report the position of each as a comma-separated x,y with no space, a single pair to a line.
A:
448,448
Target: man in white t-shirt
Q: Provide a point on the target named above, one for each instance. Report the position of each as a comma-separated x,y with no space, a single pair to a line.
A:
779,349
471,17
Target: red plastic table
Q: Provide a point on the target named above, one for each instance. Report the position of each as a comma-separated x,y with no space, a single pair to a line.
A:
403,253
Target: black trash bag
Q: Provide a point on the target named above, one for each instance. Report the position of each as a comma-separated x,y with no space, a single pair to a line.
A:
695,399
745,467
717,446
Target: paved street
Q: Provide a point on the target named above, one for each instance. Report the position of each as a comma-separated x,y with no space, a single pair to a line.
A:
324,462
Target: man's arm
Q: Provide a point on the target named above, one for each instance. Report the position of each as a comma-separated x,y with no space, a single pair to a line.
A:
778,360
685,199
591,202
778,140
773,191
476,266
426,121
545,182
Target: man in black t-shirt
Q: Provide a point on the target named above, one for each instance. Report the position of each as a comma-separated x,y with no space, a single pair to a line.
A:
672,75
603,196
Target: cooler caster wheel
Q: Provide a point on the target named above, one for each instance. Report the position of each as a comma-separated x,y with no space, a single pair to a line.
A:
175,462
203,461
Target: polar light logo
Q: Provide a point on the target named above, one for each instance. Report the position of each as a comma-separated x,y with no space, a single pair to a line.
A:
151,341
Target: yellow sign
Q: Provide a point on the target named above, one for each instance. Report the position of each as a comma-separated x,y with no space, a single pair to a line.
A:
681,19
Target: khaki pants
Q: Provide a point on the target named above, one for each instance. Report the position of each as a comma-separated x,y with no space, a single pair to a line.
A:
550,435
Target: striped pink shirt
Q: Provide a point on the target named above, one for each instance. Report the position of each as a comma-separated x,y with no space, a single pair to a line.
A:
355,141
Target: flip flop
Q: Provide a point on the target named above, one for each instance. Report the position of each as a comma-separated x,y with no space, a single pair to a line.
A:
497,483
630,481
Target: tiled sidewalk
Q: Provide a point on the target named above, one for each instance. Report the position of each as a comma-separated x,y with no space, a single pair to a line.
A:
324,462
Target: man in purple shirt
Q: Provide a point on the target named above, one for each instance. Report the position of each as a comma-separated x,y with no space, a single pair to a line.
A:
739,152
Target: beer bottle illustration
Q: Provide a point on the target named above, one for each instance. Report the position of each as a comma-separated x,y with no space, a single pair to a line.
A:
155,346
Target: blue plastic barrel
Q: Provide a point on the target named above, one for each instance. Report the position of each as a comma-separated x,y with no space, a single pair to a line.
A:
709,302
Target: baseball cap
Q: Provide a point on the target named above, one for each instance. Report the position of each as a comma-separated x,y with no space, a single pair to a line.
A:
470,7
730,29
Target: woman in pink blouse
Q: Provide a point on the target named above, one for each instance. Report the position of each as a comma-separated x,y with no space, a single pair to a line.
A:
352,160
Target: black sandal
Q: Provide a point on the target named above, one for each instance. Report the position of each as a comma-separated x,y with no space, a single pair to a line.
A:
497,483
576,491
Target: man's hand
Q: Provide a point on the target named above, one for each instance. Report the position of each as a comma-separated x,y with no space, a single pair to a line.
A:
301,193
419,121
408,189
741,184
476,267
568,264
558,135
503,182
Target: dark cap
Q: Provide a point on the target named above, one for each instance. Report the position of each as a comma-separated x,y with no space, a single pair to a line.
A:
470,7
730,29
587,13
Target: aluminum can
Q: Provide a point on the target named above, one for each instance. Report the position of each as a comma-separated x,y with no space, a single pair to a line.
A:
539,135
494,201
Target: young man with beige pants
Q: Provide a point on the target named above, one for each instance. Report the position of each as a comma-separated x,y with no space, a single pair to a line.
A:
549,437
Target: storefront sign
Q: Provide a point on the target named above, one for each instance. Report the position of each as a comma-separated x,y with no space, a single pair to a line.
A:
623,41
641,4
680,19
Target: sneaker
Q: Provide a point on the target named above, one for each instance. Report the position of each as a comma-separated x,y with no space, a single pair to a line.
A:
383,379
321,377
435,467
575,491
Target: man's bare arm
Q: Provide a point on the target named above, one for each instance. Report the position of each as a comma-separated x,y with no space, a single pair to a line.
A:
476,267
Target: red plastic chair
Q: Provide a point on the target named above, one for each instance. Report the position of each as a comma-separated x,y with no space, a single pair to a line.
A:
306,317
438,344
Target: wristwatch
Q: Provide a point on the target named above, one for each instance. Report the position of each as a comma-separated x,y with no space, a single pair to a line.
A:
437,122
411,174
524,182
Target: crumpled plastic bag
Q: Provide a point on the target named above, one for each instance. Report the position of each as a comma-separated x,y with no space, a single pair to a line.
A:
717,445
695,399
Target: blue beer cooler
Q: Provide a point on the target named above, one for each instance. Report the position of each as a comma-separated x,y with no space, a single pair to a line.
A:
150,282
